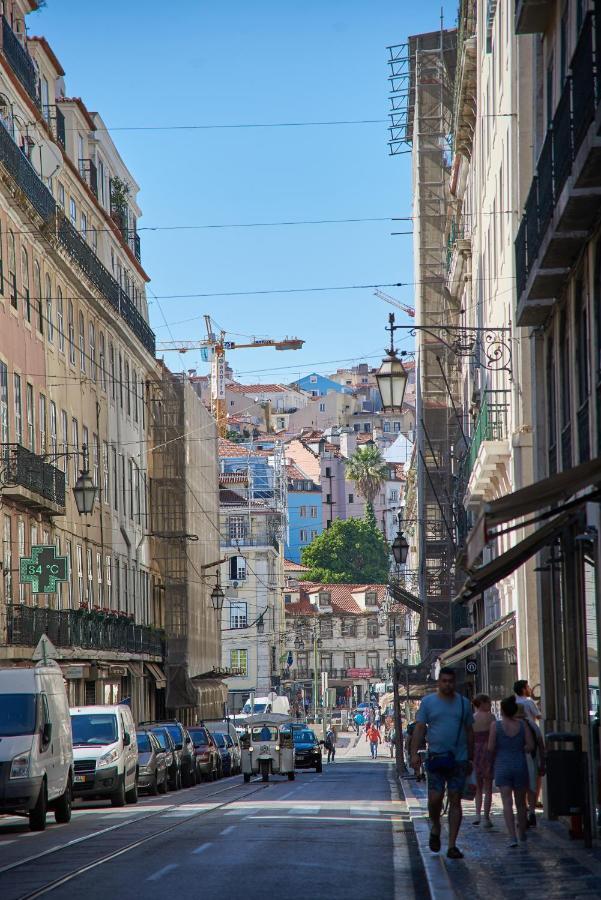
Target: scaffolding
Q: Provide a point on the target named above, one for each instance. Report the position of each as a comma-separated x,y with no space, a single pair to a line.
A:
426,127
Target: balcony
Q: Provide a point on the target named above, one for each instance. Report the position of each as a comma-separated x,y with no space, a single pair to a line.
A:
29,479
464,105
89,174
71,628
564,201
20,61
489,448
28,184
532,16
227,543
459,250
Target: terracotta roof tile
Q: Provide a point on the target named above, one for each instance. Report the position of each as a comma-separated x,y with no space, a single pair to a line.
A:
237,388
228,449
290,566
342,597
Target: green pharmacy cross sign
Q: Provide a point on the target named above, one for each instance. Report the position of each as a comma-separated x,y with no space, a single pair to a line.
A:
43,569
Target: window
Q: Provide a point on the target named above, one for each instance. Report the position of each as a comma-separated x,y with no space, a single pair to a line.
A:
12,269
314,512
92,340
95,459
90,574
326,628
21,552
322,407
79,574
367,426
61,194
386,427
120,380
73,212
82,343
349,660
373,660
302,662
83,226
108,579
25,280
373,630
42,423
356,427
3,403
105,473
326,662
53,436
328,498
102,360
65,437
564,387
312,379
7,559
18,408
49,312
99,577
37,296
349,628
314,534
131,488
238,615
115,479
371,598
302,512
303,536
325,598
101,190
239,661
30,417
75,448
112,370
123,490
1,265
351,498
237,568
396,427
237,527
127,388
135,394
71,333
582,371
394,496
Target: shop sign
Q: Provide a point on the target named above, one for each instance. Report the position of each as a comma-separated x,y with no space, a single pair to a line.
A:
76,672
359,673
43,569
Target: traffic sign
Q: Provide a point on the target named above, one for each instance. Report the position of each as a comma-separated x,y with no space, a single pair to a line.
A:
43,569
471,666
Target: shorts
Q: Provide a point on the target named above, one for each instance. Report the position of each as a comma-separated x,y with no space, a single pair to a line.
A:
454,779
517,780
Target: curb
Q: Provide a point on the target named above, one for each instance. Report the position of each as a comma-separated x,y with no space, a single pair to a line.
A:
439,883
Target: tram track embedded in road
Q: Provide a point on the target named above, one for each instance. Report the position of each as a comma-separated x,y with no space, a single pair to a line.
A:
131,845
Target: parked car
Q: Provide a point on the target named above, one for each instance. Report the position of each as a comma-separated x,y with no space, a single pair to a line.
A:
36,753
152,764
307,750
208,760
225,756
183,746
172,758
233,745
105,753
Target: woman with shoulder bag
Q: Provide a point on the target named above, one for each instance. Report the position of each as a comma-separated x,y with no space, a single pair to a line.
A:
510,740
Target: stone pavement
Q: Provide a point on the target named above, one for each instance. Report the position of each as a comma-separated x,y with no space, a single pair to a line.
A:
549,865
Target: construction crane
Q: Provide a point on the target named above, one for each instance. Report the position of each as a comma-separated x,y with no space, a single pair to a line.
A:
216,342
393,302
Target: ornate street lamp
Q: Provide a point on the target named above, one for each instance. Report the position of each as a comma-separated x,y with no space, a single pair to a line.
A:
217,595
392,376
400,547
84,489
260,624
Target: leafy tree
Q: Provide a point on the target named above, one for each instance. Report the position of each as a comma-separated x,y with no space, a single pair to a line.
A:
350,551
368,469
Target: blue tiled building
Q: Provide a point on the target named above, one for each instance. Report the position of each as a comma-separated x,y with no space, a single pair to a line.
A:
305,520
320,385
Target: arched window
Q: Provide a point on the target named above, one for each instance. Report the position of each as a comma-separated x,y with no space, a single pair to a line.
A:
12,269
92,339
49,310
82,343
71,333
25,281
37,295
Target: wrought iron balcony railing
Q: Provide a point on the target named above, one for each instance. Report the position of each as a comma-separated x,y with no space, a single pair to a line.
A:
20,61
491,425
27,179
25,625
21,468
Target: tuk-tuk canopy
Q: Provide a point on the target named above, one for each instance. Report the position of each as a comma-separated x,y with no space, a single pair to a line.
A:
273,719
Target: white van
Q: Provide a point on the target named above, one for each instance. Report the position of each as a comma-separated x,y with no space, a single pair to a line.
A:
36,756
265,705
105,753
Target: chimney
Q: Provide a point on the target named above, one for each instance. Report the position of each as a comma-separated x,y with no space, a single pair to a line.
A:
348,442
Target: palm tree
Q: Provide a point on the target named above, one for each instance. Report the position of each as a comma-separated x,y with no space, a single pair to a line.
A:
368,469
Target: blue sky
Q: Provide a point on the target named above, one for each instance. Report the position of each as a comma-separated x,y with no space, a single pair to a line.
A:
248,62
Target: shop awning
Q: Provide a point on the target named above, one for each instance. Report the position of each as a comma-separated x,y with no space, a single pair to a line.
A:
534,498
158,675
475,642
486,576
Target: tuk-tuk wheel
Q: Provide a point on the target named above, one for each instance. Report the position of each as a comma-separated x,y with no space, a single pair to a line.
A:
246,777
264,770
290,776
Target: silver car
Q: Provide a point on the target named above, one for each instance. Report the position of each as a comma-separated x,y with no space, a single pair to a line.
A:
152,764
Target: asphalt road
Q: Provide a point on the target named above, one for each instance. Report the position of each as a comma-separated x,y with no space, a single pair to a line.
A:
342,833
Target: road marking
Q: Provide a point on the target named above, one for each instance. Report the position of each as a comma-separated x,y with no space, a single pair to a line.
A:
360,811
162,872
289,794
201,848
228,830
349,819
240,812
6,843
303,810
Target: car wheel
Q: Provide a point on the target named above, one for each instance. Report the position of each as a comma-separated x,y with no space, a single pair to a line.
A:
154,788
163,785
132,795
37,815
319,766
246,777
178,780
118,796
62,807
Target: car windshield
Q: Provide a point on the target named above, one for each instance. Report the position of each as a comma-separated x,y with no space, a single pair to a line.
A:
17,714
303,737
161,738
200,737
143,741
94,728
258,707
219,740
264,733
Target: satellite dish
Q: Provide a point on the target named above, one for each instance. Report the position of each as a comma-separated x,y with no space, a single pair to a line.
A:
47,159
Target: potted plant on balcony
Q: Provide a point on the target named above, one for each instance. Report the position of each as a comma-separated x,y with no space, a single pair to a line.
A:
120,191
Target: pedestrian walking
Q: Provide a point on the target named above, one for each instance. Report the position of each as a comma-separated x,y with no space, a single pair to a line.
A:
359,722
378,718
448,718
483,758
330,743
509,741
523,696
374,737
391,738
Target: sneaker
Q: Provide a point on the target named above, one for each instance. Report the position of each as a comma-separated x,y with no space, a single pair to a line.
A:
487,822
476,822
531,820
454,853
512,843
434,842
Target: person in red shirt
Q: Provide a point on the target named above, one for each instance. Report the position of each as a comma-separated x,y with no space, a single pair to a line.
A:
374,738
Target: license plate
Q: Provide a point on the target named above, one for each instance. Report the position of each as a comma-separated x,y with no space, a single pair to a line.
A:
79,778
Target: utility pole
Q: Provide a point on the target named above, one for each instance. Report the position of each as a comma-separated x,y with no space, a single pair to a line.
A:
401,768
315,673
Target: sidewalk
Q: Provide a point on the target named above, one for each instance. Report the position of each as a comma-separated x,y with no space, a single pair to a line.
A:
549,865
